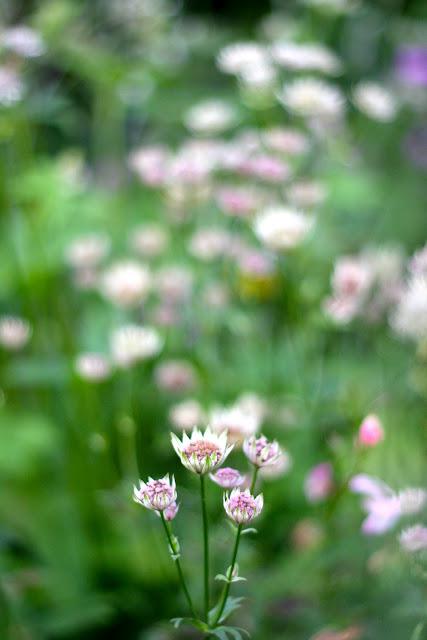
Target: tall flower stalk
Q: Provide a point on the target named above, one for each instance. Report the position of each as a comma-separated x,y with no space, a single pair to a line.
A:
205,546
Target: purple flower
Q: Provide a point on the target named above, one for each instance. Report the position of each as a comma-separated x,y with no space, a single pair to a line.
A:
171,511
227,478
411,65
260,451
318,483
381,504
242,506
156,495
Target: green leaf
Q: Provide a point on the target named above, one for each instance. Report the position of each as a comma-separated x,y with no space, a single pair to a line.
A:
250,530
418,631
236,633
192,622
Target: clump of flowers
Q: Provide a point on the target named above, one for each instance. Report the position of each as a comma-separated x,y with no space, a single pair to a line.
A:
203,453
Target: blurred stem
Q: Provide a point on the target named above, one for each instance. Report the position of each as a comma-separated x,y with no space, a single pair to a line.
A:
175,550
254,479
205,544
229,575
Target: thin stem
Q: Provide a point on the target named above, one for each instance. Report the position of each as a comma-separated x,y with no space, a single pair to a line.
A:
175,551
254,479
205,545
229,575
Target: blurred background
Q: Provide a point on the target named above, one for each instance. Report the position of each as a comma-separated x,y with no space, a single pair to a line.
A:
212,212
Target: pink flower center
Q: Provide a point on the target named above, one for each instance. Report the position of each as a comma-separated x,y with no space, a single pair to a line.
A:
244,503
157,489
203,450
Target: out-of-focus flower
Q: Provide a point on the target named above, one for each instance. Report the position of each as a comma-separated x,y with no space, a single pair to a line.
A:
306,194
279,468
186,415
93,367
266,167
227,478
281,228
409,319
216,295
209,244
236,58
307,534
305,57
23,41
11,86
126,283
171,511
156,495
202,452
411,500
237,201
381,504
371,431
312,98
238,423
411,65
242,507
375,101
414,538
418,262
14,332
132,343
319,483
175,375
86,252
288,141
351,633
415,147
149,240
151,164
174,283
210,117
261,452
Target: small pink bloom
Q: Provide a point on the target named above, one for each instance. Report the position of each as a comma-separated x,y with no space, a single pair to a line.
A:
371,431
227,478
171,511
156,495
319,483
414,539
242,506
260,451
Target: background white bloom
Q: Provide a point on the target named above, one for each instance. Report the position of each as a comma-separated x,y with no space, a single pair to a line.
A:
132,343
312,97
281,227
126,283
375,101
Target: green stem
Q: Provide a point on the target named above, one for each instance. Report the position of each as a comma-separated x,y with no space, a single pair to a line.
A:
229,575
175,551
254,479
205,544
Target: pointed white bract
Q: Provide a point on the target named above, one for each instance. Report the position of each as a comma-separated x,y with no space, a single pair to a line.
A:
157,495
202,452
242,506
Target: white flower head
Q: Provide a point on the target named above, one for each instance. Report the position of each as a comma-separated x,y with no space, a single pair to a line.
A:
414,538
410,317
210,117
375,101
203,452
311,98
14,332
242,506
237,57
23,41
156,495
132,343
306,57
126,283
281,228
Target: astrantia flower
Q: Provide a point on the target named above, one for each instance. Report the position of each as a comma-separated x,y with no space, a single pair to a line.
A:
87,251
93,367
239,56
261,452
227,478
14,332
203,452
186,414
371,431
311,98
236,421
150,240
242,506
414,538
23,41
156,495
126,283
175,375
11,86
412,500
132,343
171,511
375,101
210,117
410,317
319,483
281,228
282,465
305,57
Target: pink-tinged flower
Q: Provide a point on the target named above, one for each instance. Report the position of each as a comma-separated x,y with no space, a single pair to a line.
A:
14,332
156,495
371,431
261,452
171,511
414,538
238,424
282,465
412,500
227,478
242,506
203,452
93,367
175,376
151,164
126,283
319,484
381,504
